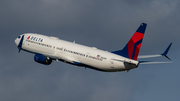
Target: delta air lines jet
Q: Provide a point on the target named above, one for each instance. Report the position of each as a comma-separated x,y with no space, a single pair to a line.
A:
47,49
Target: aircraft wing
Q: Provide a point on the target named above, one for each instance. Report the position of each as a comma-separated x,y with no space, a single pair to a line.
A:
164,54
148,56
153,62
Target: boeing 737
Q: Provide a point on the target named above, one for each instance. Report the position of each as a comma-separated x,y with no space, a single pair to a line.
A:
47,49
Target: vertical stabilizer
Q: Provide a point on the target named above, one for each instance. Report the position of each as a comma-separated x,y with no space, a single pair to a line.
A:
132,48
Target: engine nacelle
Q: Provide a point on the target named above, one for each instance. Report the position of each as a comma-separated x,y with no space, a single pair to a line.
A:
43,60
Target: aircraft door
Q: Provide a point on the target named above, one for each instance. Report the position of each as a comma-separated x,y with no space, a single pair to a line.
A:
112,63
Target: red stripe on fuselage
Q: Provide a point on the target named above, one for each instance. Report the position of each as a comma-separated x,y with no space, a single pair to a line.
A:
28,37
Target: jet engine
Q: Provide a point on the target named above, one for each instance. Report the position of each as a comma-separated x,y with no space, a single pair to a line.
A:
42,59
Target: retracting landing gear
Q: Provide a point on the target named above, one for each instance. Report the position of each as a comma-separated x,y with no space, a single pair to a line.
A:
126,71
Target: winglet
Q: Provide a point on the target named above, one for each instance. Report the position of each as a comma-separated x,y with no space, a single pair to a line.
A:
20,43
166,51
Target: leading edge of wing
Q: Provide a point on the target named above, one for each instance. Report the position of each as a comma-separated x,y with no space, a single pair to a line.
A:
153,62
148,56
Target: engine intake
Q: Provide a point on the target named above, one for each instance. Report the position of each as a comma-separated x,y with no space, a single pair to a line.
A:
42,59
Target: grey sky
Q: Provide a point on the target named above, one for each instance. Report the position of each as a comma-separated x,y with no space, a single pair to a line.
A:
105,24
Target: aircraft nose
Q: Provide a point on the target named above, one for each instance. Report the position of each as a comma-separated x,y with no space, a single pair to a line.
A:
16,41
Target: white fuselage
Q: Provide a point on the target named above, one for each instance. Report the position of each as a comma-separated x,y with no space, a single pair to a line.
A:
76,54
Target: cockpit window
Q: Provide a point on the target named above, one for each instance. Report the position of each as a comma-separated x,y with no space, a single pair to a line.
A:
19,37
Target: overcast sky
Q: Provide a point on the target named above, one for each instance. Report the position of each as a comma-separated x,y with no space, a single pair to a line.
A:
105,24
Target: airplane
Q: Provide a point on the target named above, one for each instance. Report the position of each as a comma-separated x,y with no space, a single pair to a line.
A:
48,49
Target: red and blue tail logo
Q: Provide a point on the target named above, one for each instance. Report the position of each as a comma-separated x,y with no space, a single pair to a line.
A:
131,50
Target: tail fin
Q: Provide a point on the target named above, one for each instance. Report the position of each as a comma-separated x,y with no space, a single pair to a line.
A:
132,48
